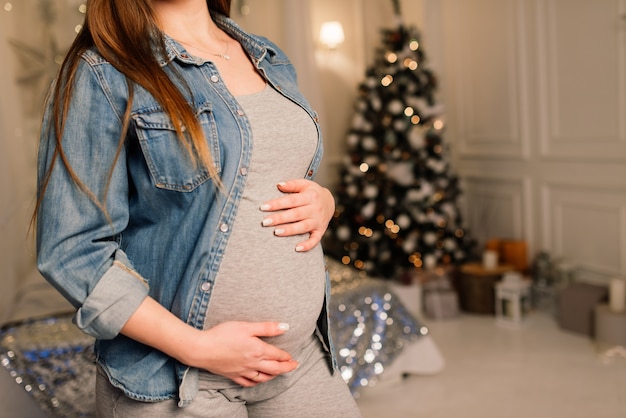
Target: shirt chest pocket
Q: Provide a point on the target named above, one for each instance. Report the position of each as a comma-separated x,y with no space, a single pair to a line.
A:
171,167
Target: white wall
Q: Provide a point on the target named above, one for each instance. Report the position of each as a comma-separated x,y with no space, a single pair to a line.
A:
536,93
15,179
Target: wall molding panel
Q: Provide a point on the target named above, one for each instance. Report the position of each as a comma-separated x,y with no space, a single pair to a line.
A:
587,226
497,207
488,123
582,79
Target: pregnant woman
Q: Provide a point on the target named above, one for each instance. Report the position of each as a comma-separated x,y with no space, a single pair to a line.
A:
178,214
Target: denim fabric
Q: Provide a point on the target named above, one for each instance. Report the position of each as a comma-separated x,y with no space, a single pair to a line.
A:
168,224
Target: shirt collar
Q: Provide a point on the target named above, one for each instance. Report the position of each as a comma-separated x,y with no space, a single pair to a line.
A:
255,47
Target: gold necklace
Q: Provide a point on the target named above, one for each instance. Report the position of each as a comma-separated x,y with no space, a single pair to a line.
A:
223,55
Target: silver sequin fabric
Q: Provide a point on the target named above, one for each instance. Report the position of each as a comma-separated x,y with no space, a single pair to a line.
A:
54,362
369,324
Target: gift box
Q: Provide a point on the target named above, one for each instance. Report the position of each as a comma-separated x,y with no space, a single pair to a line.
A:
610,325
576,304
440,299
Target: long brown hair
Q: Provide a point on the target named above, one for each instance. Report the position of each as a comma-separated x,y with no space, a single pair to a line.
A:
124,33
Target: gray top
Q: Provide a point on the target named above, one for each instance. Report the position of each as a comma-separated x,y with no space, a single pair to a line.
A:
262,277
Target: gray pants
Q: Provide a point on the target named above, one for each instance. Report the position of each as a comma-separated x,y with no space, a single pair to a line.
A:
309,391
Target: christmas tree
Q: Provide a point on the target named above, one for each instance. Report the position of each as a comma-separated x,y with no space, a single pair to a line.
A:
397,196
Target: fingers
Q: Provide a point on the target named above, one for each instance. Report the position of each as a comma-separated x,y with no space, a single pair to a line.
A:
272,361
295,186
294,213
268,351
254,378
260,377
305,209
270,369
302,228
284,227
314,239
289,201
267,329
266,371
237,350
298,193
288,216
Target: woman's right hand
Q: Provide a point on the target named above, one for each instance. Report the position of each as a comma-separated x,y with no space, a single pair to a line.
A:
234,350
237,351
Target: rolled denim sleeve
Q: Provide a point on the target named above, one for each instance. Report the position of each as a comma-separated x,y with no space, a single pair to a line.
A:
106,309
78,244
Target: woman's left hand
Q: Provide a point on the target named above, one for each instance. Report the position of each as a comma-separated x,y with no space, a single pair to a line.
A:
307,207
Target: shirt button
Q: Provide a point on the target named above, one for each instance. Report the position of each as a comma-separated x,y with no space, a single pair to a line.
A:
215,78
224,227
206,287
243,171
311,172
240,112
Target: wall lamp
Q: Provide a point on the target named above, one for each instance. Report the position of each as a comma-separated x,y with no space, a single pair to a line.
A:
331,34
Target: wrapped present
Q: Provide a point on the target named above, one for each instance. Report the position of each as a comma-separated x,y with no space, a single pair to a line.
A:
576,304
440,299
441,305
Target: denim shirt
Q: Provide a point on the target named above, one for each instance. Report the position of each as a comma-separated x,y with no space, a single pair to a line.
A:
168,224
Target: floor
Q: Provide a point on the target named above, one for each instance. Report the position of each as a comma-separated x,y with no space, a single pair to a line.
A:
495,371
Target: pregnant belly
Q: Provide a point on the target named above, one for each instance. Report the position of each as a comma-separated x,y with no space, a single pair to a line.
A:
263,278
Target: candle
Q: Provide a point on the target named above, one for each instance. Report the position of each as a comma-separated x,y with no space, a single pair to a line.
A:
490,259
617,295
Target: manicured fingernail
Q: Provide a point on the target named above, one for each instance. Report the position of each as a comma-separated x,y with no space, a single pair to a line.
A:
265,206
267,221
279,231
282,183
300,248
283,326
